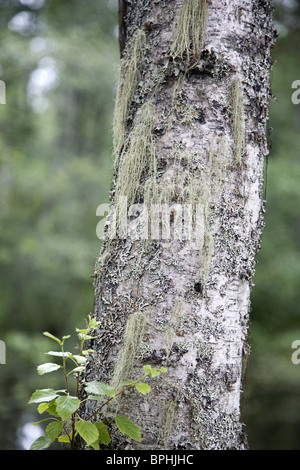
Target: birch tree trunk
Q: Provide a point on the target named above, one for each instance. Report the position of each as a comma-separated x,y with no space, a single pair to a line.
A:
190,138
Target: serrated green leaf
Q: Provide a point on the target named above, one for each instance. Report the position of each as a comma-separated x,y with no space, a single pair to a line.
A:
100,388
87,430
104,436
143,388
128,427
47,368
163,370
54,429
49,335
66,406
42,442
44,395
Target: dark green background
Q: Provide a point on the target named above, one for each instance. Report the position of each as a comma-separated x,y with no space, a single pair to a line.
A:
55,169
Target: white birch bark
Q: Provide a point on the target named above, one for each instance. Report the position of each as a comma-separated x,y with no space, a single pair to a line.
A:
200,93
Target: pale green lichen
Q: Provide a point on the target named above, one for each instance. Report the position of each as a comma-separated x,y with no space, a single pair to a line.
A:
167,421
138,155
132,341
219,157
191,28
238,119
129,74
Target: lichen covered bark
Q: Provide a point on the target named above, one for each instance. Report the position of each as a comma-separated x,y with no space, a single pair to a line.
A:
193,130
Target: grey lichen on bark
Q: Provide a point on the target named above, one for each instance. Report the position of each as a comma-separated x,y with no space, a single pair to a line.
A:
192,129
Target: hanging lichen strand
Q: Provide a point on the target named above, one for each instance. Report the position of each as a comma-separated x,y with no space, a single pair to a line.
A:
191,28
128,79
132,340
238,119
138,154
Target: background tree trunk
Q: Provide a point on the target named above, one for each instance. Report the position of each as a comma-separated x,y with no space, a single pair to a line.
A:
190,127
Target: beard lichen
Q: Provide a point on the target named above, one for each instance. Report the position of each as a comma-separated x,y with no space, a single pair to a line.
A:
191,29
132,341
129,74
167,421
138,155
238,119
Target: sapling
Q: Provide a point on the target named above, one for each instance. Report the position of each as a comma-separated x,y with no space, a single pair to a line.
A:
63,406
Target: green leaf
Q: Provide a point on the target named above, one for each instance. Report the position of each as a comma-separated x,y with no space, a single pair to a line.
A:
128,427
47,368
88,351
54,429
87,430
49,335
124,383
41,421
95,445
147,369
52,409
44,395
150,370
64,439
100,388
163,370
79,359
59,353
42,442
143,388
43,407
65,406
66,337
77,369
104,437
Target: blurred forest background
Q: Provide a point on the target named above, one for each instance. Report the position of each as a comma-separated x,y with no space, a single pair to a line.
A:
58,59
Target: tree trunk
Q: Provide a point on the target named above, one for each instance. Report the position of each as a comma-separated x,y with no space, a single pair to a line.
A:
190,139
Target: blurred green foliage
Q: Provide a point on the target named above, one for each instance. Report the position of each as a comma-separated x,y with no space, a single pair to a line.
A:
273,397
58,60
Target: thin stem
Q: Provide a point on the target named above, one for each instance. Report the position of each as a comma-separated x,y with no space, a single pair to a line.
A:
115,396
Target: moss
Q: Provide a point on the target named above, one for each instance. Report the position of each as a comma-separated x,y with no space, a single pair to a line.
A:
238,119
191,28
132,340
128,79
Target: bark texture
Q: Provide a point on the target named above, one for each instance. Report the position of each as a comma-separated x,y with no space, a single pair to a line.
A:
190,127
